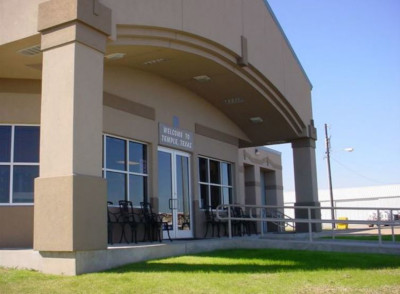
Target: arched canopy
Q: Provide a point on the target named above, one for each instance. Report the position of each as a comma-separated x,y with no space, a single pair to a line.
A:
212,72
241,59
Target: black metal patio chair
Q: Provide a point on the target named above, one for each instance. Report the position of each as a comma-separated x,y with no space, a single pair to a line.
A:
112,220
127,217
213,221
241,226
153,223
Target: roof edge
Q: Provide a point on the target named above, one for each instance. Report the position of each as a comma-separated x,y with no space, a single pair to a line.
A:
287,40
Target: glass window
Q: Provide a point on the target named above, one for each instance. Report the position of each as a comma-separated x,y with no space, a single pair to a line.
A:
226,174
227,195
204,196
203,169
116,154
137,158
218,190
5,143
137,188
215,196
214,172
4,184
26,144
116,186
23,182
19,163
125,183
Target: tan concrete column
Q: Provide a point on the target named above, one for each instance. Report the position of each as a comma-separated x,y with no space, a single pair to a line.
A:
70,194
305,174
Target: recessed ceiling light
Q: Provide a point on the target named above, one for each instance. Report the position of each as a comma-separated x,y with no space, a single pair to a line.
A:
234,100
30,51
115,56
256,120
202,78
154,61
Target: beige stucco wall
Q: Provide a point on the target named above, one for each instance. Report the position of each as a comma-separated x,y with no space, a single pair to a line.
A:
19,108
16,226
18,19
254,165
167,100
226,22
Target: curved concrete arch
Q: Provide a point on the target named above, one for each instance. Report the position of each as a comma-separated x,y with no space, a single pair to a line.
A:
142,44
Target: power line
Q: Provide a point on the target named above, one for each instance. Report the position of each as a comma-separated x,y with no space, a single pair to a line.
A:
357,173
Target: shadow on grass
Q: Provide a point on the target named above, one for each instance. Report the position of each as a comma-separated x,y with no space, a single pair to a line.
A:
264,261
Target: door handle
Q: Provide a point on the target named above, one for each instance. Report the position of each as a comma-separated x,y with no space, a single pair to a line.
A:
173,203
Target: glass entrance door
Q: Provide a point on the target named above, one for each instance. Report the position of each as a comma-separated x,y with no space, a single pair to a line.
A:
174,192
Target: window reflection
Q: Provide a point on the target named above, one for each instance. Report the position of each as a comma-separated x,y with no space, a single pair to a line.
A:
137,158
204,196
215,196
125,183
214,172
20,166
115,154
203,169
137,187
164,181
116,186
4,184
218,190
226,174
23,183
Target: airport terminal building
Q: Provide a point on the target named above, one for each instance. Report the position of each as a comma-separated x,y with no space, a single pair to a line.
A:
158,101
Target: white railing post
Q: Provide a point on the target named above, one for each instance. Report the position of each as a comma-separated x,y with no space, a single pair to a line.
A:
392,225
379,227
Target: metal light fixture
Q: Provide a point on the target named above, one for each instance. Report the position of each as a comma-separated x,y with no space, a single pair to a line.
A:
202,78
115,56
256,120
154,61
234,100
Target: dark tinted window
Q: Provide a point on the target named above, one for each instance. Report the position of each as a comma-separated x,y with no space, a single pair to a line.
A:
26,144
137,158
116,154
5,143
116,187
23,183
4,184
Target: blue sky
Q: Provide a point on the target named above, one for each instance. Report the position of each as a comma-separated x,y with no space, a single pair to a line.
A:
350,50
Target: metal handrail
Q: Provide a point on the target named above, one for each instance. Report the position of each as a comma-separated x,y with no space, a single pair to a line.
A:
253,216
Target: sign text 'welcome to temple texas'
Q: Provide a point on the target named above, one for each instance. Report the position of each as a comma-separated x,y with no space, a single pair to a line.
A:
175,137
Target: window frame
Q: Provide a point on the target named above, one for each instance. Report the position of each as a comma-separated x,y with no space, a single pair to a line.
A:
12,163
210,184
127,173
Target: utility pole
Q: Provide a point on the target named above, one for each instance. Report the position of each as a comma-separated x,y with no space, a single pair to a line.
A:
328,158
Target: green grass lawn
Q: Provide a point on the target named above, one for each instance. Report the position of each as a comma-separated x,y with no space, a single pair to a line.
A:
227,271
